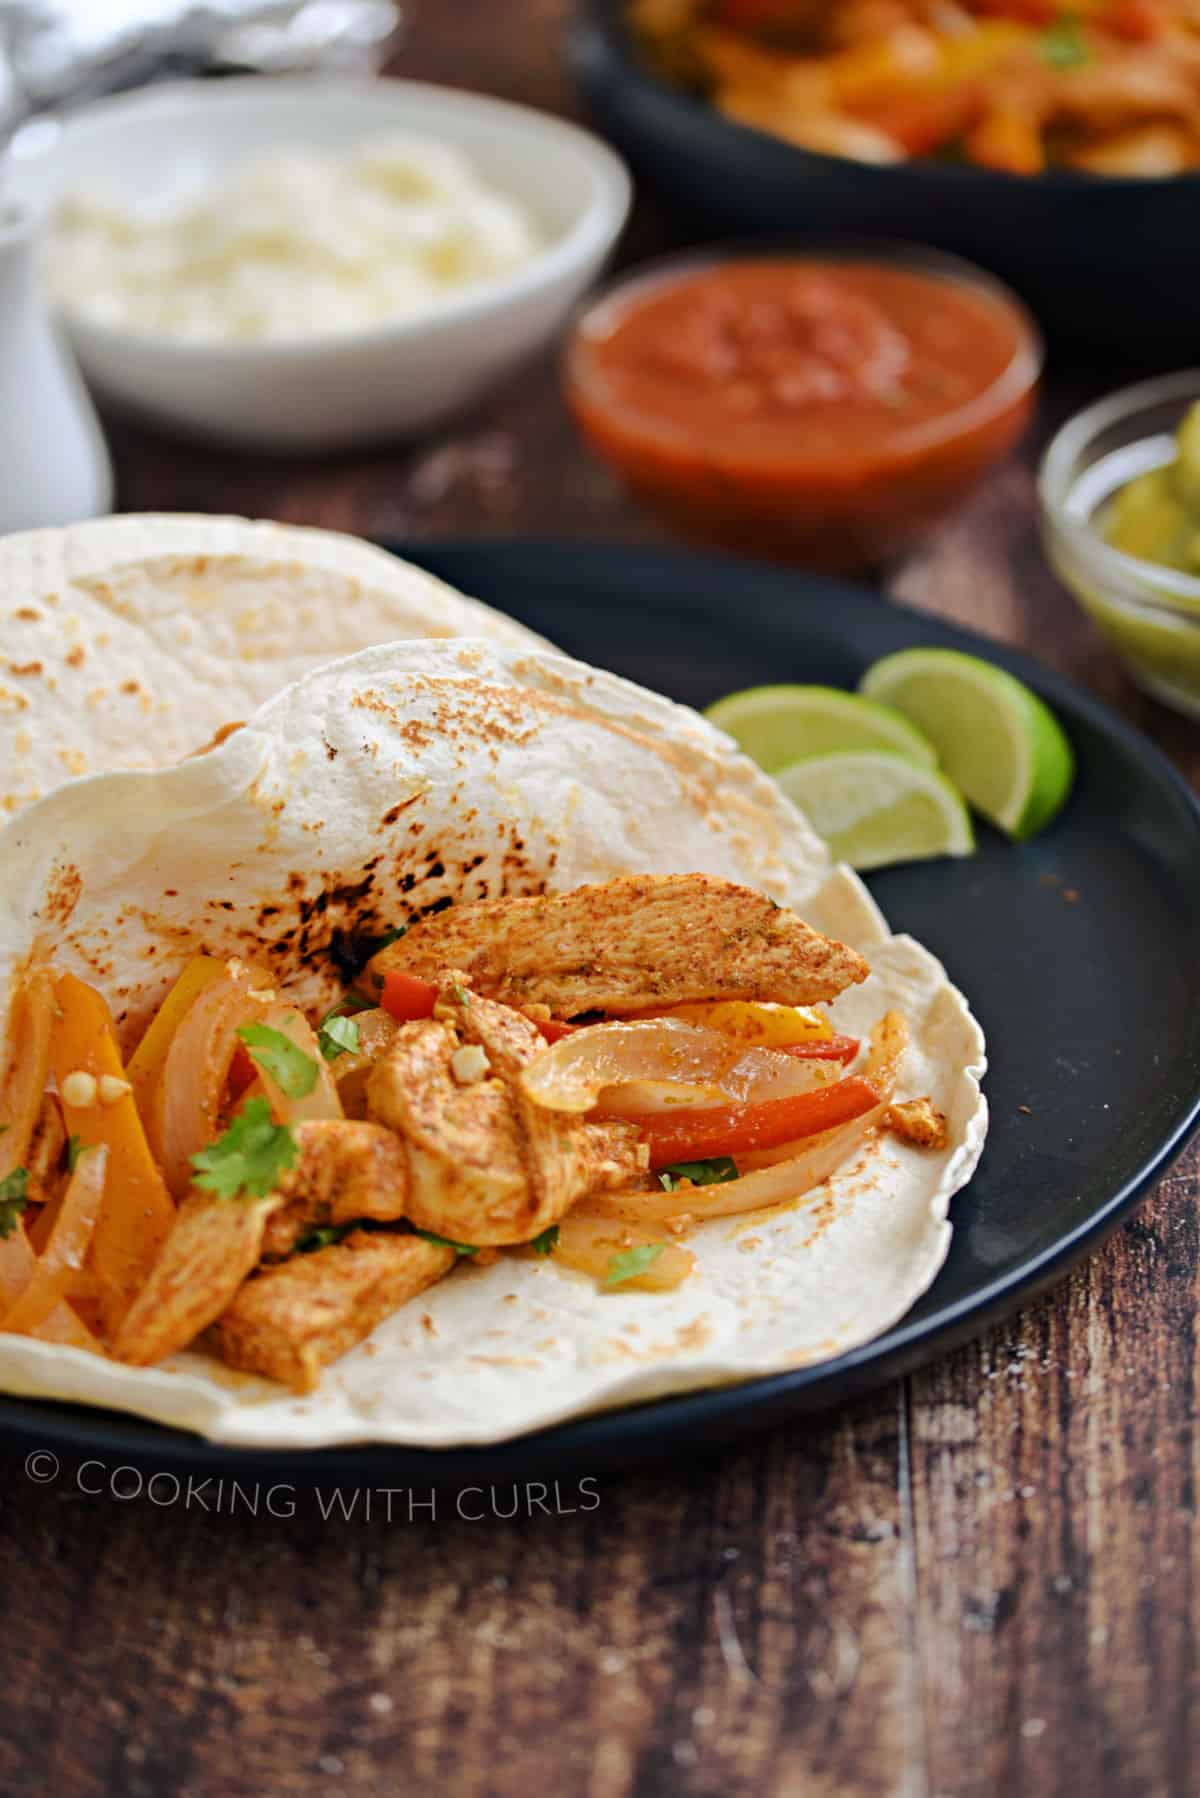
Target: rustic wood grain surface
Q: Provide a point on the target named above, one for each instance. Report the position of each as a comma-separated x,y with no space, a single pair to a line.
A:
980,1583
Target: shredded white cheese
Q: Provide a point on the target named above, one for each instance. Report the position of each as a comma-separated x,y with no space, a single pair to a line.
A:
296,244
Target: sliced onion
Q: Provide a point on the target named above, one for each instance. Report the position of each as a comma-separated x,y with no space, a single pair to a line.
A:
67,1246
775,1184
17,1265
588,1242
889,1040
322,1101
645,1098
63,1326
186,1113
28,1068
654,1054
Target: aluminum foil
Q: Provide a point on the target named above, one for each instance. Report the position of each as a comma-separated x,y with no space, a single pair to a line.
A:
59,52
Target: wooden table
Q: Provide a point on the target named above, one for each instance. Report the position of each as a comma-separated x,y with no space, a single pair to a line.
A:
979,1583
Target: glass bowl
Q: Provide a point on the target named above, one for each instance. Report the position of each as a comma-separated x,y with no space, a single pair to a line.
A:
797,504
1149,614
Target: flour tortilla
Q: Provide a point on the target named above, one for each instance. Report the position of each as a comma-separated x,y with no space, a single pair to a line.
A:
129,642
422,770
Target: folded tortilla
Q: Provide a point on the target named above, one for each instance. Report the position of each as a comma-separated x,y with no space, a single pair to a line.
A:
129,642
425,772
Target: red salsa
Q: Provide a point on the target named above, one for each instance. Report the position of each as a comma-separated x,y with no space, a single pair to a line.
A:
800,407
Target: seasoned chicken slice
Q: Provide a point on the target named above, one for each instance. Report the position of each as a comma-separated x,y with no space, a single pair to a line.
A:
290,1321
214,1243
486,1166
625,945
344,1171
919,1122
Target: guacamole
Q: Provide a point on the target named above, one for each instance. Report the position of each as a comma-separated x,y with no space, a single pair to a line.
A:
1156,517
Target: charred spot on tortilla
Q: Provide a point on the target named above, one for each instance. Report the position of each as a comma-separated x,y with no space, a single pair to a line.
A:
66,886
351,950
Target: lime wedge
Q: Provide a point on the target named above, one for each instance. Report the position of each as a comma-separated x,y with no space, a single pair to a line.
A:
999,744
778,725
874,808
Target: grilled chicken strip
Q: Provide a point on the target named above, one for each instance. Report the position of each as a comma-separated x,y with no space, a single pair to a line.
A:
213,1245
628,944
290,1321
345,1171
486,1166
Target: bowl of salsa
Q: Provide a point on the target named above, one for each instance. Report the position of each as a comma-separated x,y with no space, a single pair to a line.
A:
818,406
1120,498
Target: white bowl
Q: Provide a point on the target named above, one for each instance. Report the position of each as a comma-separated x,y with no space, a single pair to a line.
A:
391,380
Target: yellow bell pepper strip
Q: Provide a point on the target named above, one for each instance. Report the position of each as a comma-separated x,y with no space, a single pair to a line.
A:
764,1026
1007,138
146,1062
137,1212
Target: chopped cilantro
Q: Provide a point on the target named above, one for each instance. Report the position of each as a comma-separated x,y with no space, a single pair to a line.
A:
460,1248
75,1148
1063,44
348,1004
460,993
373,944
632,1262
699,1173
12,1200
249,1159
294,1072
546,1243
338,1035
322,1237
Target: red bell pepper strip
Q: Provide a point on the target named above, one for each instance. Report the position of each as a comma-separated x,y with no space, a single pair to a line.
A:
242,1072
688,1135
406,997
833,1048
553,1029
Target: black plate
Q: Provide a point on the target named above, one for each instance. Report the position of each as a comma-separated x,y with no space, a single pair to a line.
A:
1112,262
1079,952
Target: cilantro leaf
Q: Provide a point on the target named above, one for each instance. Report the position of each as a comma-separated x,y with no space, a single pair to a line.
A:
249,1159
632,1262
338,1035
460,993
1063,45
546,1243
347,1005
75,1148
294,1072
373,944
322,1237
460,1248
12,1200
700,1173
